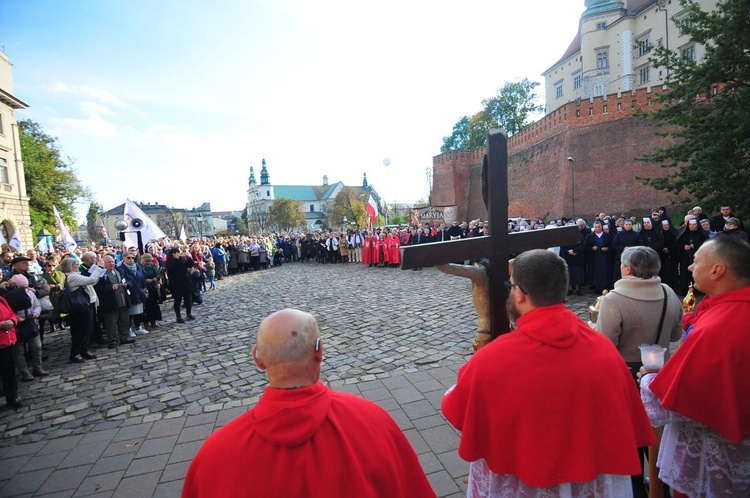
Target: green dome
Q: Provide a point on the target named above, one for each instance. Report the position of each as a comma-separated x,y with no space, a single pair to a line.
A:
599,6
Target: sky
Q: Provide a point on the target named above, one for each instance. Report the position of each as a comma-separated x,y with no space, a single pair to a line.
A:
172,101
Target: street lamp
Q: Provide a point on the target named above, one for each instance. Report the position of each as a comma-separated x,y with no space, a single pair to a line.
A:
572,187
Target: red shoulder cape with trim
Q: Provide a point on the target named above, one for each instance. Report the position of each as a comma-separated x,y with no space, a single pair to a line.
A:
550,402
708,378
308,442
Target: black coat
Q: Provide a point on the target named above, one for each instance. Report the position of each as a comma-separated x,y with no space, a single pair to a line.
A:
178,271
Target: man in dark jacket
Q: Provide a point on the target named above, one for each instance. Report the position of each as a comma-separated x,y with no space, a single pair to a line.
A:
114,305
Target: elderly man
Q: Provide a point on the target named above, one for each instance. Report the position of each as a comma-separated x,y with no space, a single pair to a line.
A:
20,266
549,409
114,305
302,439
703,392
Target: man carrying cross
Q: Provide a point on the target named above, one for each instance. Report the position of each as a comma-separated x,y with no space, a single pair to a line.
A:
550,407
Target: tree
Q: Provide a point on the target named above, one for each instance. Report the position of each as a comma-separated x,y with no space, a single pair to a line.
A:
511,109
286,214
706,109
50,181
93,227
348,204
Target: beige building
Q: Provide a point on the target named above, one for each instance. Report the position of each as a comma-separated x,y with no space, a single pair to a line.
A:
611,50
14,204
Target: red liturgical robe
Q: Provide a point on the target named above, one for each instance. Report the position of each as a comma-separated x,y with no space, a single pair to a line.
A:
707,378
308,442
551,402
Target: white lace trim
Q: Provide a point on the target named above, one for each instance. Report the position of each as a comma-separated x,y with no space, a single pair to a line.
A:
483,483
694,459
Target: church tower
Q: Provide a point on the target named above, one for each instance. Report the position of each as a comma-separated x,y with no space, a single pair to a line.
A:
252,182
364,182
264,174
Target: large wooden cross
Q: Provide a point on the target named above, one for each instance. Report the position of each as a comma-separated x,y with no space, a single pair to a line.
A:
500,244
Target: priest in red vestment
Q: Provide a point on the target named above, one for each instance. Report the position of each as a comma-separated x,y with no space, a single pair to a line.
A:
551,407
367,250
302,439
702,395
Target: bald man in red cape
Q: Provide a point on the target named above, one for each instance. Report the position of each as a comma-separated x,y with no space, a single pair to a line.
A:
550,405
302,439
702,395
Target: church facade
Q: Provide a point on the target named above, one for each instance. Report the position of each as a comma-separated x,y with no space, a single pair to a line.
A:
315,201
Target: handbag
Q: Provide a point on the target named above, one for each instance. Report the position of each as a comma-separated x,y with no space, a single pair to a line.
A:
73,302
46,304
27,329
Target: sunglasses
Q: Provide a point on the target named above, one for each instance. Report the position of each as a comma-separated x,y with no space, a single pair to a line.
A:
509,285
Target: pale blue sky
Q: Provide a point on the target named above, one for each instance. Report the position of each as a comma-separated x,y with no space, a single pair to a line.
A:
172,101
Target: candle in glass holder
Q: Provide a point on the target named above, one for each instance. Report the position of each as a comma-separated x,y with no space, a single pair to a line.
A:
652,356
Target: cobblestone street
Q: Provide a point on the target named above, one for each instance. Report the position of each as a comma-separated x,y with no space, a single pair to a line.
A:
396,337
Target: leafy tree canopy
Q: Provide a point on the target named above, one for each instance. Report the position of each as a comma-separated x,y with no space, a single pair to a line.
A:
706,109
348,204
286,214
511,109
92,222
50,181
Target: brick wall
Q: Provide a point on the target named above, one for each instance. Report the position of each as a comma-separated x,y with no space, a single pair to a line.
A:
601,135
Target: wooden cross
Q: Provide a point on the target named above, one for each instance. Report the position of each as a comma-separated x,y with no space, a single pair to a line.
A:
500,244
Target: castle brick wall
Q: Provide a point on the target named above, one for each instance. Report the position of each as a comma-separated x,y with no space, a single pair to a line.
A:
601,134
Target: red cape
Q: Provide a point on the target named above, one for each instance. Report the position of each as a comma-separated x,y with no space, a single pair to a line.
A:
551,402
708,379
308,442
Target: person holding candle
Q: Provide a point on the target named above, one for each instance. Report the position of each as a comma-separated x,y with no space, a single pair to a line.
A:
702,395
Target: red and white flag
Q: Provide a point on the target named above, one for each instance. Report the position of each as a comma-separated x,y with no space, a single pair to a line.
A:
372,209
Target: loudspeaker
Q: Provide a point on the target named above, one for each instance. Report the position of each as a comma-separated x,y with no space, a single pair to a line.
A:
136,223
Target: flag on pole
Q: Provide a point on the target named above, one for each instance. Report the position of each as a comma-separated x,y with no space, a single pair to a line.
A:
372,209
139,222
183,235
67,240
15,242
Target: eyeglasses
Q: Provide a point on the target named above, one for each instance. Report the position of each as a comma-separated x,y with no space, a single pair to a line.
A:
129,257
509,285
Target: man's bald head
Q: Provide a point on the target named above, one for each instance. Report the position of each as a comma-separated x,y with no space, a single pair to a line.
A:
287,336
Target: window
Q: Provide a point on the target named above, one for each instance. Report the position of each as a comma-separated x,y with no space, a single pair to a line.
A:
3,170
558,90
601,25
602,59
643,75
688,53
591,111
598,90
268,193
312,207
604,110
577,81
643,46
1,125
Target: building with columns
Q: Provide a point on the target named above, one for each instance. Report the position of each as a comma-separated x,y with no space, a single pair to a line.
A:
15,220
610,52
315,201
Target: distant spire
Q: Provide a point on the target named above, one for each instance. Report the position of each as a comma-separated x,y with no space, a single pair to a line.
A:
325,180
252,177
364,181
264,174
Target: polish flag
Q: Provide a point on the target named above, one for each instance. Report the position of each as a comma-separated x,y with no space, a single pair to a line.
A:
372,209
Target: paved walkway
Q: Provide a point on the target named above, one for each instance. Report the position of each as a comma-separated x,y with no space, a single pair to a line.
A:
128,423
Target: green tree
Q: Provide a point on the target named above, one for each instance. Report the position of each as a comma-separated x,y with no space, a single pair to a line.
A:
511,109
348,204
50,181
286,214
706,109
92,222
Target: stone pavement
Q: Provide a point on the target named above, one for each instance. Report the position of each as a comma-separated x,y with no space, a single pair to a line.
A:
128,423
